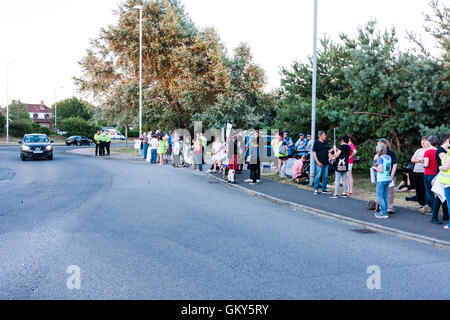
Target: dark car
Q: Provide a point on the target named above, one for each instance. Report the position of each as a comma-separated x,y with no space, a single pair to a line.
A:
79,141
36,146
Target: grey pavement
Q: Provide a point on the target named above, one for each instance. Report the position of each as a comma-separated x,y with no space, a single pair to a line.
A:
138,231
404,220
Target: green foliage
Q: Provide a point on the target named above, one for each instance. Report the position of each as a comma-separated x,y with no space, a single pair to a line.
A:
20,127
40,129
132,133
73,108
78,126
2,123
244,104
186,72
17,111
370,89
437,131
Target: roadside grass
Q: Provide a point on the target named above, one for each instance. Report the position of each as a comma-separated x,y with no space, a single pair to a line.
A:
363,188
128,151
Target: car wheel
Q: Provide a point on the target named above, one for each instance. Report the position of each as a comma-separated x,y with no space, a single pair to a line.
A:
90,143
51,157
68,144
22,157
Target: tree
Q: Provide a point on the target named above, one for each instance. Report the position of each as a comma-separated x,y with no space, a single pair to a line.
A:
78,126
73,108
244,103
2,123
438,26
18,110
20,127
183,67
368,87
334,92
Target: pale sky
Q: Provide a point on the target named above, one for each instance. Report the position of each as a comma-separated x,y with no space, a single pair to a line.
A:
44,39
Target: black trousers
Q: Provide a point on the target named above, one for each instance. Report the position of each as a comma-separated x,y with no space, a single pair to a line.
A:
102,148
419,185
108,145
97,149
437,206
255,173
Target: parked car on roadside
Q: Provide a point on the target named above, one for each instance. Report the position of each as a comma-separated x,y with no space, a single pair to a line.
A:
36,146
61,133
79,141
115,134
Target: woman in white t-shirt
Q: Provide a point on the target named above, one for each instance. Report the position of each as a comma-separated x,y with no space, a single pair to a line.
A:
419,169
153,149
217,155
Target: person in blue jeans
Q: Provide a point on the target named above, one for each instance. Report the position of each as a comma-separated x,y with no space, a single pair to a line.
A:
321,153
383,169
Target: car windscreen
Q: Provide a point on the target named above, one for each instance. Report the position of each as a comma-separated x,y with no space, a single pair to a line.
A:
36,139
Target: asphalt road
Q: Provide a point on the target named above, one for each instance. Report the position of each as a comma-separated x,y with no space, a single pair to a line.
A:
142,232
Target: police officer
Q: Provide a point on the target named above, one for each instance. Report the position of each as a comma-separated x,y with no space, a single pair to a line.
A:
97,142
102,143
108,143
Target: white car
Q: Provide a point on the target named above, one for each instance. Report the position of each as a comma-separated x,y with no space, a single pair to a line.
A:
115,134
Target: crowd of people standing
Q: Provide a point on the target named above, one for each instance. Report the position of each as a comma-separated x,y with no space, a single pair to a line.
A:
230,155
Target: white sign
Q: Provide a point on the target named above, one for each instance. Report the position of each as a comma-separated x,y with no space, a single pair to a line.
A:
137,144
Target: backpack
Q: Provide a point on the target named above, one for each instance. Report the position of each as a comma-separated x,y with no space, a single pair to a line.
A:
283,150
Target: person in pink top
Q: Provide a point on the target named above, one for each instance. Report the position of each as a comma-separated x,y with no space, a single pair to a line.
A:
297,169
351,160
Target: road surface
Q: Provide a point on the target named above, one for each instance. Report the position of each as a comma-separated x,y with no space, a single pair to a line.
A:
139,232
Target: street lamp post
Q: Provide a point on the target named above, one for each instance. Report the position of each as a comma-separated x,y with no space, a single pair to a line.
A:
140,67
314,89
56,103
7,102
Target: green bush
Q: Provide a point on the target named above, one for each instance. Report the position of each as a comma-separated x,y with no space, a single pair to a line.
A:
40,129
78,126
2,123
133,133
20,127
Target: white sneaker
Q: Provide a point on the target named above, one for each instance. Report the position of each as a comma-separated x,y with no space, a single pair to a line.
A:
248,180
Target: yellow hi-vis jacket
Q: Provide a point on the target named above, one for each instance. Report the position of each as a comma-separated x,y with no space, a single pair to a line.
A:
445,175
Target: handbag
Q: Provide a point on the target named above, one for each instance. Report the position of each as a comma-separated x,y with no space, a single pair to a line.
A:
371,205
438,188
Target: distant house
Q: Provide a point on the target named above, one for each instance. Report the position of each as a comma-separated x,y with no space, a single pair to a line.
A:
41,114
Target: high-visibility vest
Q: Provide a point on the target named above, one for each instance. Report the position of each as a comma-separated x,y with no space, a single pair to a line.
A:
161,147
97,138
108,138
103,137
445,175
277,152
204,141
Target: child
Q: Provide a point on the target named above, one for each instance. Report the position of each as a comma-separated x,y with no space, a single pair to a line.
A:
298,174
